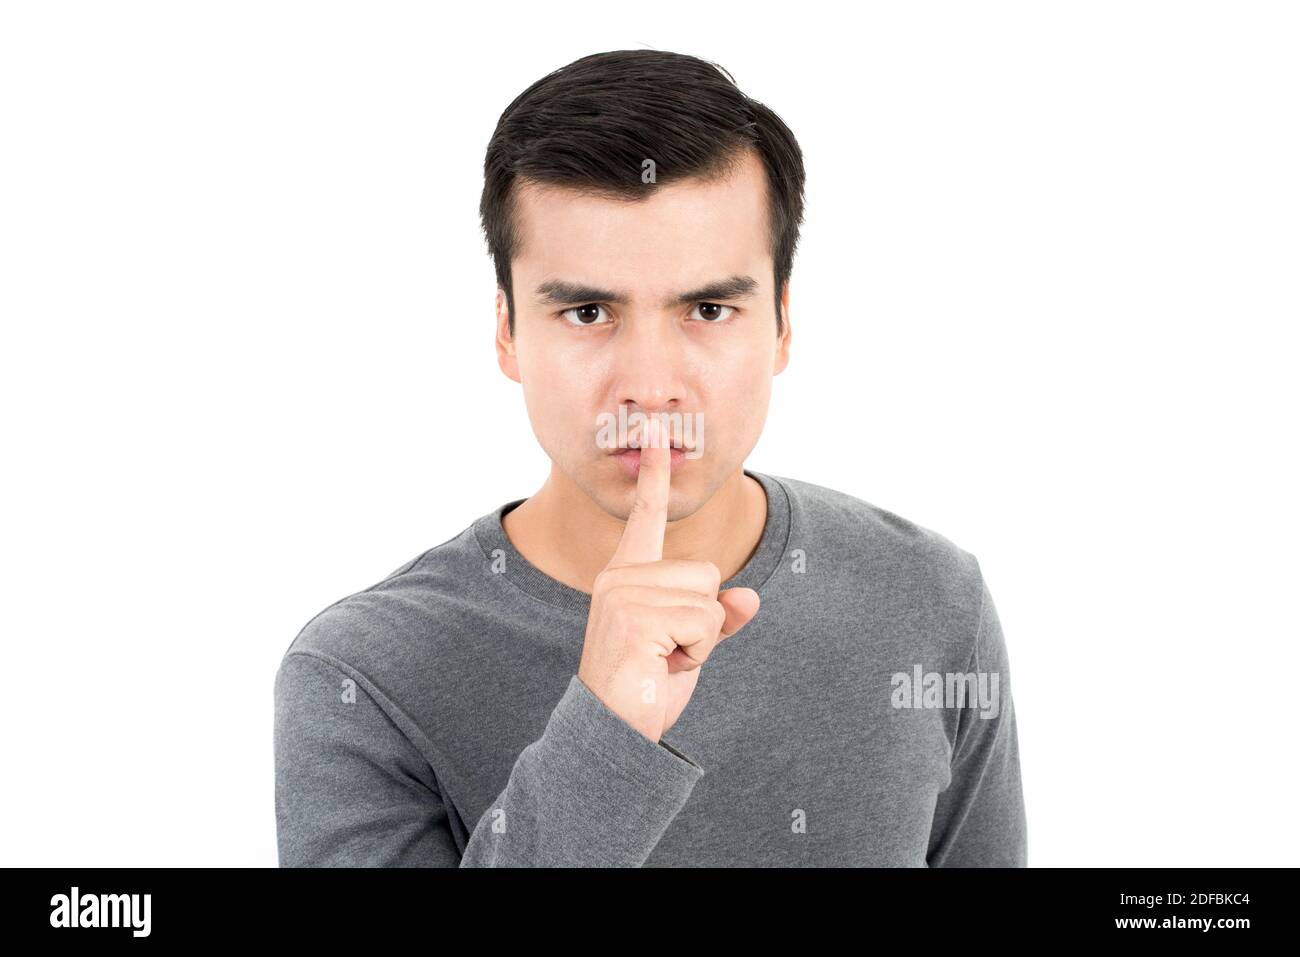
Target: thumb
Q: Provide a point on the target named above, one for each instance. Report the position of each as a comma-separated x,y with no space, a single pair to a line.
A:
741,605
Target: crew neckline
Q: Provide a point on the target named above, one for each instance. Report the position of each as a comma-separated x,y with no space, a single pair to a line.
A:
533,581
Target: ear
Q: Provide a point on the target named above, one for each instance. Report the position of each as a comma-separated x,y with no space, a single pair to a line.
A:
783,341
505,341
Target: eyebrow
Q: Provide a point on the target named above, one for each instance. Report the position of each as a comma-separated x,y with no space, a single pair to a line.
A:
558,292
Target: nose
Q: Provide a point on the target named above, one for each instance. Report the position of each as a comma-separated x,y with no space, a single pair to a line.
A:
648,370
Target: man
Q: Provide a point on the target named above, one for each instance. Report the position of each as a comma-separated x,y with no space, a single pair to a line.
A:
660,658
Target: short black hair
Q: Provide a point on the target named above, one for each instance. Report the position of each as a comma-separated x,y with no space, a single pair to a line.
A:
590,125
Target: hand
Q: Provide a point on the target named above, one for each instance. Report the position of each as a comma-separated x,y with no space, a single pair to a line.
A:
653,623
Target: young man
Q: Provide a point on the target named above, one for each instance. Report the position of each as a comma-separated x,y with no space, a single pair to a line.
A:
661,657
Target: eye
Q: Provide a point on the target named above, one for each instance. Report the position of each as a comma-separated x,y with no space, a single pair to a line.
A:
582,315
711,316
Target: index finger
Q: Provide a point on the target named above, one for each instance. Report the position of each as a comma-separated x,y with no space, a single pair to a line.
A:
643,536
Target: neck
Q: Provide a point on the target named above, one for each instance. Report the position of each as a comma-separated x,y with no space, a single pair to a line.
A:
563,533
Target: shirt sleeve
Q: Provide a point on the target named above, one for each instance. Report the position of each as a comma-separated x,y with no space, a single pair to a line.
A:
352,789
979,820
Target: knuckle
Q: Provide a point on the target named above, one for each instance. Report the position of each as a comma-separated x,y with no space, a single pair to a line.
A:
699,653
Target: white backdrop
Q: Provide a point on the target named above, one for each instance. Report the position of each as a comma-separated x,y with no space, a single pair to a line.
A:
1047,280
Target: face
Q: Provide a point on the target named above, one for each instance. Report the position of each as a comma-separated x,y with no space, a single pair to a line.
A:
661,305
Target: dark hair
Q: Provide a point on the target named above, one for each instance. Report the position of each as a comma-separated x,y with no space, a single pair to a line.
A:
590,125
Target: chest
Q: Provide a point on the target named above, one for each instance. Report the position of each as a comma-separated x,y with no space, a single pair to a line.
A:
806,760
808,765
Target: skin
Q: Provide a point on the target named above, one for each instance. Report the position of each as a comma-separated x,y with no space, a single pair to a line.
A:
653,548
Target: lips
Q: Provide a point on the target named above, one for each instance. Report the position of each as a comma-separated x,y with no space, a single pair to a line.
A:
629,460
634,444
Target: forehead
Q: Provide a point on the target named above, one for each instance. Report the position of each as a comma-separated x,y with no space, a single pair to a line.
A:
692,229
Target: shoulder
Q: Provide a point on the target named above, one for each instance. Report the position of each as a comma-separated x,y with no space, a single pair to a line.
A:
392,625
858,539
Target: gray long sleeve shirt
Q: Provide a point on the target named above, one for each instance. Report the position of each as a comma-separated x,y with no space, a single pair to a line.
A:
436,718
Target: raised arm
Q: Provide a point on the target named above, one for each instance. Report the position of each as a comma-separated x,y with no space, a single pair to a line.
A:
352,789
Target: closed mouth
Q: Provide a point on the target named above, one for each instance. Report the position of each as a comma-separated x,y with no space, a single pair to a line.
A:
633,446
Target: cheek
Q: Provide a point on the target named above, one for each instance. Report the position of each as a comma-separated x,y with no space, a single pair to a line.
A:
552,367
557,405
739,384
753,407
737,410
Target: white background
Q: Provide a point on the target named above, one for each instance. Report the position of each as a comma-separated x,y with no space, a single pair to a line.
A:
1045,304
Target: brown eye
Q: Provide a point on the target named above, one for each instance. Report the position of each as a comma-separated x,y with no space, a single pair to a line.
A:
588,315
712,312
